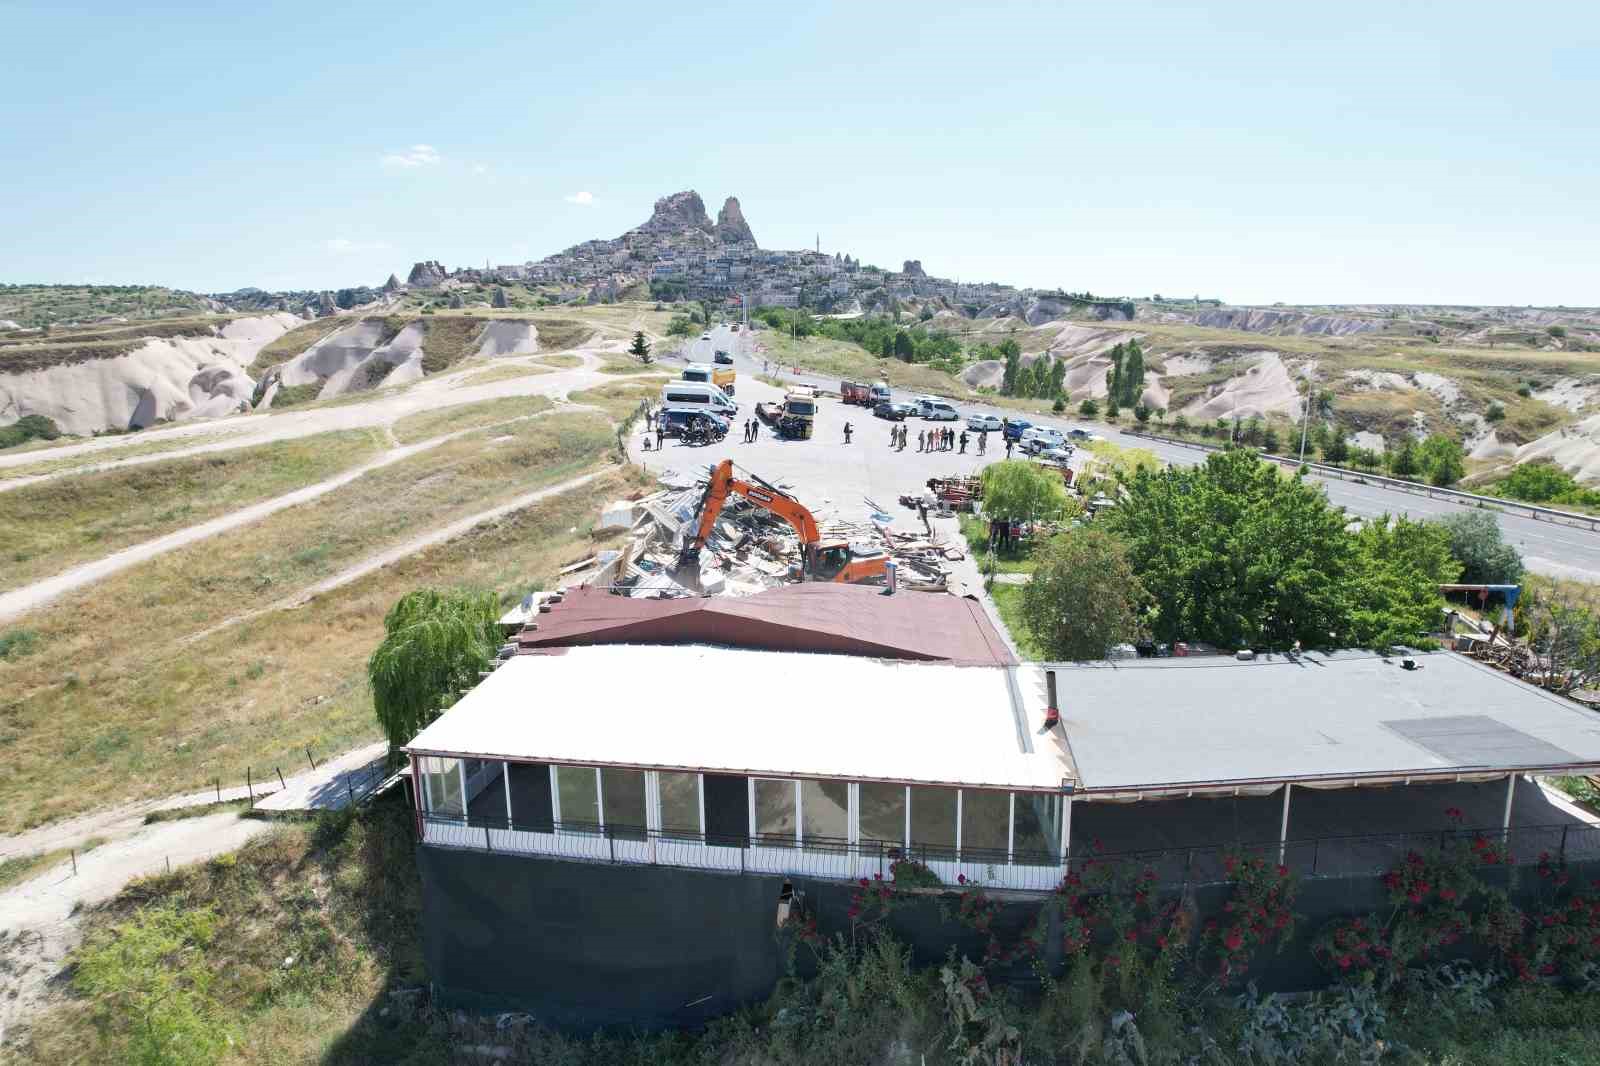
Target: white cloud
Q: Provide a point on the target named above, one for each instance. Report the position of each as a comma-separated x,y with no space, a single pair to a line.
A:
345,246
418,155
583,198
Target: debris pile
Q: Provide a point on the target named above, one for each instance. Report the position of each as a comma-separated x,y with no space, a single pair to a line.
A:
749,547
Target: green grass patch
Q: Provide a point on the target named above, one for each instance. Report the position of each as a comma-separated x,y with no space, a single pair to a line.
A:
163,701
556,334
55,524
296,341
619,399
505,373
136,446
627,364
1014,560
560,361
1008,604
20,868
427,424
447,340
199,810
295,395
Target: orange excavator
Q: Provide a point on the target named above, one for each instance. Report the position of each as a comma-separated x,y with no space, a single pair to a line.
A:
823,560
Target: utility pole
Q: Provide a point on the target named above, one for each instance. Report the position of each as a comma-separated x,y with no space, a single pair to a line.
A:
1305,412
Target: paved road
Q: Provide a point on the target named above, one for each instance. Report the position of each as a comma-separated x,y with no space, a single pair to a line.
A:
1558,551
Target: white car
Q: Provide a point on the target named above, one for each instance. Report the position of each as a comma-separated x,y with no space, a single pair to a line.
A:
979,423
1057,456
1041,438
937,411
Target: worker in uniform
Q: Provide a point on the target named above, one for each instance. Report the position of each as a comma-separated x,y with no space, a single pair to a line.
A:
920,436
847,433
963,442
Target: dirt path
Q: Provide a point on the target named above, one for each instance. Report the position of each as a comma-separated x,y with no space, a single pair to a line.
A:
383,409
401,551
39,918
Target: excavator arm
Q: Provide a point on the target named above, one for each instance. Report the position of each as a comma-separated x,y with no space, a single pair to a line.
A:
758,492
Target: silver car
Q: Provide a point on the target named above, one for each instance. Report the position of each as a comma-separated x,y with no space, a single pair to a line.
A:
980,423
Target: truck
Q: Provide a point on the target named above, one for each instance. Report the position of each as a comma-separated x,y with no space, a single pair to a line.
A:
880,393
856,393
711,374
795,417
821,560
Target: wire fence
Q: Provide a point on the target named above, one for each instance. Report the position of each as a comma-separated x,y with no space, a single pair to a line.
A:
1029,871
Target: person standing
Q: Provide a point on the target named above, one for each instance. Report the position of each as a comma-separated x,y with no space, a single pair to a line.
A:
661,433
1009,443
983,441
963,442
894,435
919,440
755,430
847,433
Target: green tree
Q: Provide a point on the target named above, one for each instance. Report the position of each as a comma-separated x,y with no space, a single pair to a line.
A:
1441,460
680,326
435,642
1011,352
1058,377
903,348
1180,424
1132,374
1270,441
1495,413
1141,413
1485,557
640,349
1088,408
1403,460
1083,597
1017,490
1237,554
1395,596
1539,482
1113,412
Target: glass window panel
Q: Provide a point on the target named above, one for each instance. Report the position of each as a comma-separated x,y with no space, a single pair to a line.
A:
825,809
680,802
775,808
883,813
933,817
580,803
622,792
1038,833
985,817
442,778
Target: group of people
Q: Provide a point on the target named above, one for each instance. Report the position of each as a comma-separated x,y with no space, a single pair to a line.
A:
936,440
752,430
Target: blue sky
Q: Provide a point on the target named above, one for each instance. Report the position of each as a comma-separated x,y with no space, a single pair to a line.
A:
1271,152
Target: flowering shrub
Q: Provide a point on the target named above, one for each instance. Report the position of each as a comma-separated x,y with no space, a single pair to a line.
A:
1260,912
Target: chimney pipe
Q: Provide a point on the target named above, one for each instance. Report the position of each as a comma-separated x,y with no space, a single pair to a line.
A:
890,577
1052,710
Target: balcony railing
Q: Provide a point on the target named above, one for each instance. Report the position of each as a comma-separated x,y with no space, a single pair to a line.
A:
840,860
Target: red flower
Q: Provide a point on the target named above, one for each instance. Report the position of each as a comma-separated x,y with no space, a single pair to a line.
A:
1454,814
1161,942
1344,962
863,882
961,879
1233,940
1131,935
1283,871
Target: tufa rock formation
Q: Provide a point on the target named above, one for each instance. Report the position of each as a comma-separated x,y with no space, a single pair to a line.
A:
913,268
327,305
682,212
392,284
500,297
731,226
456,303
427,274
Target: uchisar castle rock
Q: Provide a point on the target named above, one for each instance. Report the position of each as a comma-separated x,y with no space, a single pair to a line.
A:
679,252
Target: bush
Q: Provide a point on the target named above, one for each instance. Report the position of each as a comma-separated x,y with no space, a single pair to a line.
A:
1059,405
1524,391
1486,559
1088,408
1495,413
26,428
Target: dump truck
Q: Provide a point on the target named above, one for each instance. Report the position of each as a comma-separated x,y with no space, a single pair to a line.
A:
711,374
821,560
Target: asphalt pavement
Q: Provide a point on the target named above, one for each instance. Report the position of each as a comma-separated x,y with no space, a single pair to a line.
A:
1554,550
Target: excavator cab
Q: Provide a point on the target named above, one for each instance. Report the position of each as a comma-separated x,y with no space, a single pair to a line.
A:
828,559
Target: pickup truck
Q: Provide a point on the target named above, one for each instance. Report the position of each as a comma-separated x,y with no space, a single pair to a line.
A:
711,374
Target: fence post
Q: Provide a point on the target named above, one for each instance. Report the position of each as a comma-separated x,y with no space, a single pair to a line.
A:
611,842
74,862
249,786
350,793
488,845
1188,866
1316,851
280,778
219,790
309,759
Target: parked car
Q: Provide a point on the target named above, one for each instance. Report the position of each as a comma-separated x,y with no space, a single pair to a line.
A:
723,357
1059,456
1041,438
675,420
1013,428
894,412
937,411
705,336
1079,434
980,423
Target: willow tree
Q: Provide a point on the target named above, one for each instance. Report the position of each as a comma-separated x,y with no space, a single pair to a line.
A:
435,642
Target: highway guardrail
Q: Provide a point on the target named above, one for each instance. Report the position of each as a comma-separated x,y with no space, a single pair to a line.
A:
1590,523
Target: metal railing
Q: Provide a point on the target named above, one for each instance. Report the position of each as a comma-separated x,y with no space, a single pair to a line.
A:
1496,503
1029,871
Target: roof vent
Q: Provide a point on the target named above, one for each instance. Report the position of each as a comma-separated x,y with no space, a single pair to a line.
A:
1408,664
1244,655
1052,714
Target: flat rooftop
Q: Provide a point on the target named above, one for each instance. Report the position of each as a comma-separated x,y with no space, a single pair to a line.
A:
1214,723
761,713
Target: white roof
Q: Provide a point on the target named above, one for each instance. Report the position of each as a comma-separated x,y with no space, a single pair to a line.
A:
730,710
1205,722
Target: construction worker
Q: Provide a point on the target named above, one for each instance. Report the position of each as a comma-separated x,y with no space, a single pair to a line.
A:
963,442
920,440
847,433
661,434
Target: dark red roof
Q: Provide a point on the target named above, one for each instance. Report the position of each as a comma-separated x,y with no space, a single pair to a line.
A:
811,617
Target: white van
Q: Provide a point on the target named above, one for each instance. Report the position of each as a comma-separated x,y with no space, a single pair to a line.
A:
681,394
936,410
